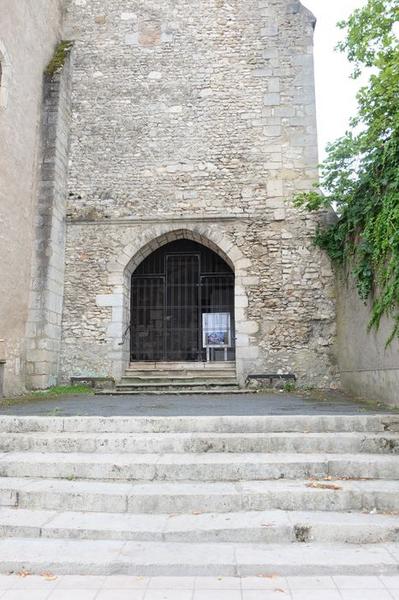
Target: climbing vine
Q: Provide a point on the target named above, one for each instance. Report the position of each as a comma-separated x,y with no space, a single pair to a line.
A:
360,176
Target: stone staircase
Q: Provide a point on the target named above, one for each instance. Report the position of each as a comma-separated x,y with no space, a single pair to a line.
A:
177,378
223,496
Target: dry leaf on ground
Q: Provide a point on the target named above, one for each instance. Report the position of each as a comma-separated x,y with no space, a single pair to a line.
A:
23,573
49,576
323,486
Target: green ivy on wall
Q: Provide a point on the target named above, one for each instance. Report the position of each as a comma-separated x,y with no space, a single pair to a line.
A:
360,176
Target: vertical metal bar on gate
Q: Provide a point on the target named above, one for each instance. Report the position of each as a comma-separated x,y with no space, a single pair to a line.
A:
170,293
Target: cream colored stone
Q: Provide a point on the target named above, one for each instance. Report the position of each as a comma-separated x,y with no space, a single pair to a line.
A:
109,300
37,27
275,187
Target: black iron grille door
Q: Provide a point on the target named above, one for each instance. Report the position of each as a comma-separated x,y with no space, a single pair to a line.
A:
148,303
182,308
171,290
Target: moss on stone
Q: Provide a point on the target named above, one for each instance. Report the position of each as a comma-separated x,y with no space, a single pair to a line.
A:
52,393
58,60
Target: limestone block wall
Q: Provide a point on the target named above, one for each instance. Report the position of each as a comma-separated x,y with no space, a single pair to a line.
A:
47,281
284,317
196,117
190,106
28,34
367,367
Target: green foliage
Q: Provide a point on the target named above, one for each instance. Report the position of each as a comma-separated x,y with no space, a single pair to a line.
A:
50,394
289,386
61,390
58,60
360,176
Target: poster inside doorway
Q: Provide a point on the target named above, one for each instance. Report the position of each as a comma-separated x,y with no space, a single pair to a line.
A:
216,330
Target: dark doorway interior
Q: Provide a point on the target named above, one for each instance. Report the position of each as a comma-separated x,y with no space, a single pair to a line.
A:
171,290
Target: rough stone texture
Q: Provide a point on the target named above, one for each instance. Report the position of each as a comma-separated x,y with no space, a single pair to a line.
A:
195,120
44,324
198,512
24,53
217,115
190,120
367,367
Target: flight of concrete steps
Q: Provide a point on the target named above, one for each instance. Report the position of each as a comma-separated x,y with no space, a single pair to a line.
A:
221,496
177,378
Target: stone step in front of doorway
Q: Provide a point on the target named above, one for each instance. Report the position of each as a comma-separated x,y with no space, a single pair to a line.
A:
168,387
289,495
173,384
179,377
161,366
186,370
169,391
202,376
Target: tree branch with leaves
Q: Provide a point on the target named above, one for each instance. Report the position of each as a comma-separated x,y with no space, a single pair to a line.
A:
360,176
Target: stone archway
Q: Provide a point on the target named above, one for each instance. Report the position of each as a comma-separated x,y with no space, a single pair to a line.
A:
121,269
182,306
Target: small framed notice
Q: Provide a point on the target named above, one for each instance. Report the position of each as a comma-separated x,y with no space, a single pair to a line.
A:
216,330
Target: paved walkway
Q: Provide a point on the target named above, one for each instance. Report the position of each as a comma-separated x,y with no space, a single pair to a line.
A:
278,403
49,587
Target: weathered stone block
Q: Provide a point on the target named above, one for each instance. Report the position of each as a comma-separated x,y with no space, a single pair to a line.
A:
275,187
109,300
279,214
271,99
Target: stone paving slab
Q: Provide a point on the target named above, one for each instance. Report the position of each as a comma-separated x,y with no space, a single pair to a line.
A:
88,557
240,527
212,443
198,467
326,402
249,423
185,497
199,588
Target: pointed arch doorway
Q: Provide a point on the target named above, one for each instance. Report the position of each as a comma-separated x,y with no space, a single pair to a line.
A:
182,305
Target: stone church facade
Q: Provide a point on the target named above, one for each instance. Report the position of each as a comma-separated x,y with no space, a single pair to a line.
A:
178,125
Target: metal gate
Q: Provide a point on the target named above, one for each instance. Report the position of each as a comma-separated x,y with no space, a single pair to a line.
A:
170,292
